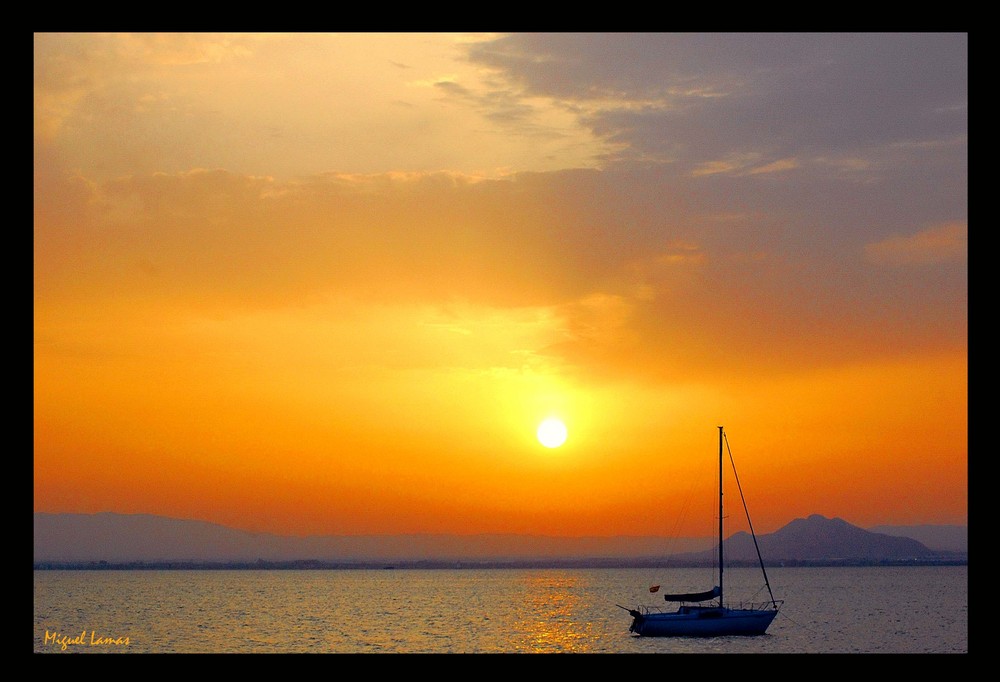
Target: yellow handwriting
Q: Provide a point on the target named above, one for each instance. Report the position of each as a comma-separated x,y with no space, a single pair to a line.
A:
66,641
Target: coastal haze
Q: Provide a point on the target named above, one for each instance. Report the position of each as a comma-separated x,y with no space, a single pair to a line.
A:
116,538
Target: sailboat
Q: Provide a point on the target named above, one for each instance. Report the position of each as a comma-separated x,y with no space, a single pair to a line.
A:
694,617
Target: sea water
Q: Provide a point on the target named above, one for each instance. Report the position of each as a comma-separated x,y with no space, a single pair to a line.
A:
912,609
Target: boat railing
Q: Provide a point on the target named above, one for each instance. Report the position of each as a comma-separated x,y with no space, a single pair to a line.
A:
683,607
691,606
758,605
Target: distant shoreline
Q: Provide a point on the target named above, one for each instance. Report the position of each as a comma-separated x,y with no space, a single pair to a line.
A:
312,565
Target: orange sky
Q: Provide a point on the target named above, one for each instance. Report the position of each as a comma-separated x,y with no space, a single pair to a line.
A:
331,284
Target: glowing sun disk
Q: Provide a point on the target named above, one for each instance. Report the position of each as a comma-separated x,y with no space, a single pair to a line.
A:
552,433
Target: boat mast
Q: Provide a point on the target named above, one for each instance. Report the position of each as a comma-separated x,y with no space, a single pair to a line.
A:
720,517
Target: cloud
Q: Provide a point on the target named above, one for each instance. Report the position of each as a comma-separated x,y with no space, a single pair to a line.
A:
694,98
947,243
721,207
626,273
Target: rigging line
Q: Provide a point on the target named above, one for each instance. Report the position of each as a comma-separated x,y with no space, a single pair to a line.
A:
739,487
784,614
674,534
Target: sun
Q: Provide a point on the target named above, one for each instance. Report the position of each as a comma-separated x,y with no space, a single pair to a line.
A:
552,433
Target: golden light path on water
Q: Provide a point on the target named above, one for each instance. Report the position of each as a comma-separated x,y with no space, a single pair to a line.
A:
551,620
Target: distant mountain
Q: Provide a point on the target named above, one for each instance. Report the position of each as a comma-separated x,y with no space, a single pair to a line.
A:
817,539
939,538
130,538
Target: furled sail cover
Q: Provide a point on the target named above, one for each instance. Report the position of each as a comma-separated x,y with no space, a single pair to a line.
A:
694,596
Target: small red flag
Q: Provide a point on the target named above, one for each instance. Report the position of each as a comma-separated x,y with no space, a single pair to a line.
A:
654,588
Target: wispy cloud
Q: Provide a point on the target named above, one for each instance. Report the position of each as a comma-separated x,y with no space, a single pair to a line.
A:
947,243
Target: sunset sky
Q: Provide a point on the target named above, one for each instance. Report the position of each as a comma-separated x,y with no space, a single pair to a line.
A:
333,283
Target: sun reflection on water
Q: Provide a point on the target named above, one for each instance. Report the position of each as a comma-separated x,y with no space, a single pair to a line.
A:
551,620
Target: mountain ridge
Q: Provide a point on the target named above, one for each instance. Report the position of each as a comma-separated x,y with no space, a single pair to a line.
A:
124,538
819,539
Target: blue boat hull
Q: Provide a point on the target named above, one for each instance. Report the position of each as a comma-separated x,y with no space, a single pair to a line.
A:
699,621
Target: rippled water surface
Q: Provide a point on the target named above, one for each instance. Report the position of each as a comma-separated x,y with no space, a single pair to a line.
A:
826,610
